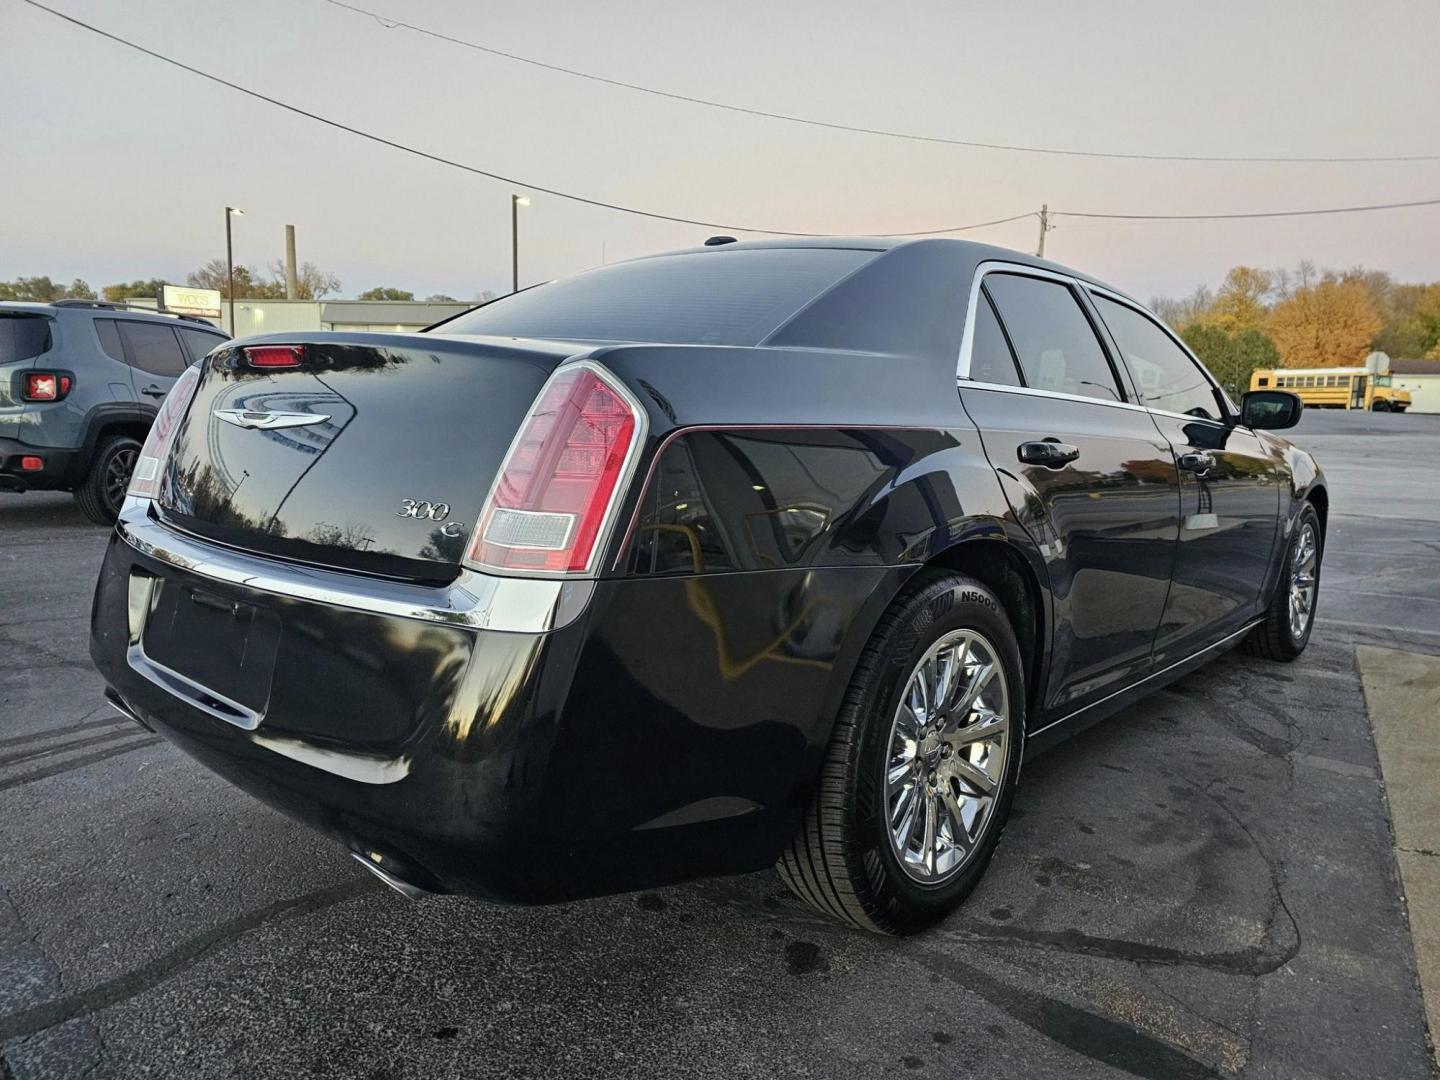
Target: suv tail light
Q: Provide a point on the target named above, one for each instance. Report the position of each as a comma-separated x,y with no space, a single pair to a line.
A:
46,386
145,480
559,487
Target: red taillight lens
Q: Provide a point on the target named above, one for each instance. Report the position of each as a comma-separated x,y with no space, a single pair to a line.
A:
561,479
145,480
30,463
274,356
45,386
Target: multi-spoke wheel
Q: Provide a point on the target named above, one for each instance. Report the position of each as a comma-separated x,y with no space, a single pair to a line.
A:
948,748
1291,615
103,490
921,768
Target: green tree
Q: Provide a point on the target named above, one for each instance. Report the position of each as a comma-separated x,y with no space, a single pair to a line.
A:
440,297
80,290
40,289
386,293
1231,358
129,290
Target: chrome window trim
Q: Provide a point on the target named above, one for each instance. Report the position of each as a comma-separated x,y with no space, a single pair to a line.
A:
967,339
1033,391
474,600
1141,310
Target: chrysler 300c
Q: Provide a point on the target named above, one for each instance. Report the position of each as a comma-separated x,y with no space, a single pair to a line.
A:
775,553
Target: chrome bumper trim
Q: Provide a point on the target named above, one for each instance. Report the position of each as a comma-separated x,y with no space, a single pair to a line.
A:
473,600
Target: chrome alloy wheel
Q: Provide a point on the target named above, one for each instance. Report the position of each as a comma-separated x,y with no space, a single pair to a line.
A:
949,747
1302,581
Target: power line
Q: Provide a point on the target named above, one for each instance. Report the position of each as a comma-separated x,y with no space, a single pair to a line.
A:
1253,214
438,159
390,24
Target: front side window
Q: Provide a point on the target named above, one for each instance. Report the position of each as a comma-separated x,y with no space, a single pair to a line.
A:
152,347
1165,375
1053,338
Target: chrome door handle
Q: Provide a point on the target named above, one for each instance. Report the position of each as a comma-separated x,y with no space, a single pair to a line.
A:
1196,461
1051,452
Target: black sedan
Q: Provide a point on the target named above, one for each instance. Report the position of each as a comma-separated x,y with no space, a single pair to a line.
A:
760,553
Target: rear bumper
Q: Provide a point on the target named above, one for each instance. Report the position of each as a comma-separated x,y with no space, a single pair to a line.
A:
617,742
54,476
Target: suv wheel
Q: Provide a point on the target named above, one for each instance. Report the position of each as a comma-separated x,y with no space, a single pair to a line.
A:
922,765
103,490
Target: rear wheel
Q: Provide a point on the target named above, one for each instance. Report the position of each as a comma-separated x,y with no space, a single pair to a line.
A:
1291,615
921,769
1379,406
103,490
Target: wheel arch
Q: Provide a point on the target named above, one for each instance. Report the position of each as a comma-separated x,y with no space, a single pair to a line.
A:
104,422
1002,567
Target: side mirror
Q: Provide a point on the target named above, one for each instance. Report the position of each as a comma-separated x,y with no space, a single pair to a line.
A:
1271,409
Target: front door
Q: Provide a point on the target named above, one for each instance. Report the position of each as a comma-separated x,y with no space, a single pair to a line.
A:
1230,488
1102,502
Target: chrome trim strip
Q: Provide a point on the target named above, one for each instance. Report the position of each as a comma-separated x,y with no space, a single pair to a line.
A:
1153,675
1031,391
474,600
362,768
191,692
399,884
962,362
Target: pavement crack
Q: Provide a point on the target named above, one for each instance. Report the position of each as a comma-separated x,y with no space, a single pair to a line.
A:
182,957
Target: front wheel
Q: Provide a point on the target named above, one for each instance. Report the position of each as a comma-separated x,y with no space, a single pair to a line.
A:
917,781
103,490
1380,406
1291,615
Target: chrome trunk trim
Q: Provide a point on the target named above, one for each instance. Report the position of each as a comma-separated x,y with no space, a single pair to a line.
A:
473,600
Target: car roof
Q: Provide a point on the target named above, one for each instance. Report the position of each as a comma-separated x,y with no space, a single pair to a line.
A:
108,310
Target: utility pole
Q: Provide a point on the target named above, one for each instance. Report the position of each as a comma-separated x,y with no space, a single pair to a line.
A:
230,211
292,283
516,201
1045,227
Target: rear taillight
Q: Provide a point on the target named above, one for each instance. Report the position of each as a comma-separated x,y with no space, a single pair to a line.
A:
145,480
45,386
274,356
557,492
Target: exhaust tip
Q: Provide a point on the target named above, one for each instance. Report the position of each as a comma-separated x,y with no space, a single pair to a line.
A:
373,861
118,704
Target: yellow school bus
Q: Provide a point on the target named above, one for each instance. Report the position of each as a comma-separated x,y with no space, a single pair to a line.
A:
1335,387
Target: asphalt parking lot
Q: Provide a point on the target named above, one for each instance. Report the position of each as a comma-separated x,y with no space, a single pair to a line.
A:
1205,885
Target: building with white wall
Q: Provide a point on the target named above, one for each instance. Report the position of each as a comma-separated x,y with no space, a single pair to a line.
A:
1422,379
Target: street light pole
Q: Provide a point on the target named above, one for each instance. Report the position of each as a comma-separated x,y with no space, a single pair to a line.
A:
516,201
230,263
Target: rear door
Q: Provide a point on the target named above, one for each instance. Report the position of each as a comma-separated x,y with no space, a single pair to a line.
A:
23,337
1230,487
1104,506
155,355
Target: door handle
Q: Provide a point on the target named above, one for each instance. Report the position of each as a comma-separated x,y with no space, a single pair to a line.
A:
1197,461
153,391
1051,452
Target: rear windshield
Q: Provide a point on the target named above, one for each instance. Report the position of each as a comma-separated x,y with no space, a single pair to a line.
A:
703,298
23,336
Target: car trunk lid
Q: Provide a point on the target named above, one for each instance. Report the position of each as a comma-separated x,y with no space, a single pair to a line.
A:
373,454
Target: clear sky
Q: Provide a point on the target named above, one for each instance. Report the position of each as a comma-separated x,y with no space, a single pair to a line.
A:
114,166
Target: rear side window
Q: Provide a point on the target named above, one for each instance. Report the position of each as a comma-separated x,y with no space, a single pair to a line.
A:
1165,376
709,298
1056,345
109,335
23,336
198,342
152,347
991,360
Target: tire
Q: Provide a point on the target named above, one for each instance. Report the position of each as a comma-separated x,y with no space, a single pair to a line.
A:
1379,406
1278,637
103,490
843,861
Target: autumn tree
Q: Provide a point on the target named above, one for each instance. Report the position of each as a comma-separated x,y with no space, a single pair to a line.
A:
1179,314
1329,323
251,284
1240,302
311,283
386,293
